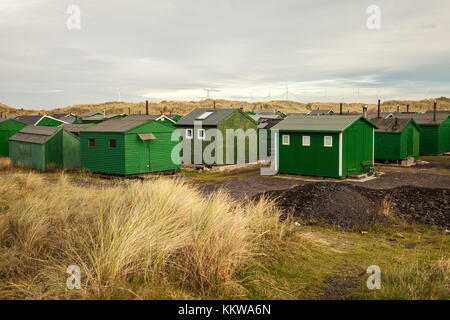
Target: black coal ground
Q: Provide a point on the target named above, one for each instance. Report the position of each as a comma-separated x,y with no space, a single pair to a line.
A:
352,206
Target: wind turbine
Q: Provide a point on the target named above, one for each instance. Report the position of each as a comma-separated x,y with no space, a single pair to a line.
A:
287,92
208,90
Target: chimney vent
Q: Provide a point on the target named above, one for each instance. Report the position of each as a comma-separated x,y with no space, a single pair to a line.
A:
379,108
146,107
340,108
365,111
434,111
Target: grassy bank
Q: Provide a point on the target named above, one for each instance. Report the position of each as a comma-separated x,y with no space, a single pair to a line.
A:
161,239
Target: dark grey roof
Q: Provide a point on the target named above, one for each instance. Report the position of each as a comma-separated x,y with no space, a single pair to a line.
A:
213,120
268,124
425,119
87,114
267,112
393,125
438,111
320,112
382,115
142,117
34,134
66,117
76,127
323,123
101,117
29,119
116,125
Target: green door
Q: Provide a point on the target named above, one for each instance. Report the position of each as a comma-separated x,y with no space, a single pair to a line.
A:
144,156
410,142
4,147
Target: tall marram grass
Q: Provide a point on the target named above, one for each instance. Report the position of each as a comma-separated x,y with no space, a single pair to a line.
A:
136,239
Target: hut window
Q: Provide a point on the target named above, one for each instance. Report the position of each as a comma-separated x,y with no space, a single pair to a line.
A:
91,142
327,141
188,133
201,134
285,139
306,141
112,143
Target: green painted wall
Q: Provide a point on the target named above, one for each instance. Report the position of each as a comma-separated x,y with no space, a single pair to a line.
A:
71,151
62,150
49,122
131,155
429,139
29,154
315,160
8,128
397,146
318,160
237,120
101,158
444,136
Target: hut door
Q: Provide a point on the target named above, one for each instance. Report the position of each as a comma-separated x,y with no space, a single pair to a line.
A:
410,142
149,155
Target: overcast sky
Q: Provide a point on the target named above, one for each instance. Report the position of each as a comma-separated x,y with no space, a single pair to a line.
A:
247,50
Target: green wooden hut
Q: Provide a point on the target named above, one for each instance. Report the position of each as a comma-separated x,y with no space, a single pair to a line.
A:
44,148
49,121
434,132
328,146
396,139
8,128
126,147
207,121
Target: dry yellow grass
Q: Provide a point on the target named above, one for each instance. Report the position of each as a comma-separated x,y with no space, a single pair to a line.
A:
5,163
131,240
183,107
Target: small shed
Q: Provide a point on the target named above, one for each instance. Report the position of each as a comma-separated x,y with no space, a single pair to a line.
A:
327,146
434,132
267,125
199,126
45,147
318,112
8,128
396,139
76,128
126,147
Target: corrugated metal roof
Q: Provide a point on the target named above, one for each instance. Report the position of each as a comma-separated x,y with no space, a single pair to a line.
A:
76,127
116,125
425,119
34,134
320,112
268,124
29,119
321,123
101,117
87,114
390,125
217,116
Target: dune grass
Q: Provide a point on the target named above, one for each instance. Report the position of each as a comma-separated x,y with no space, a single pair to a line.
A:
162,239
125,239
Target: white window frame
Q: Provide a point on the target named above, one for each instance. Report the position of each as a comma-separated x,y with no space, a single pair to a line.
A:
306,144
198,134
288,140
190,135
325,141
